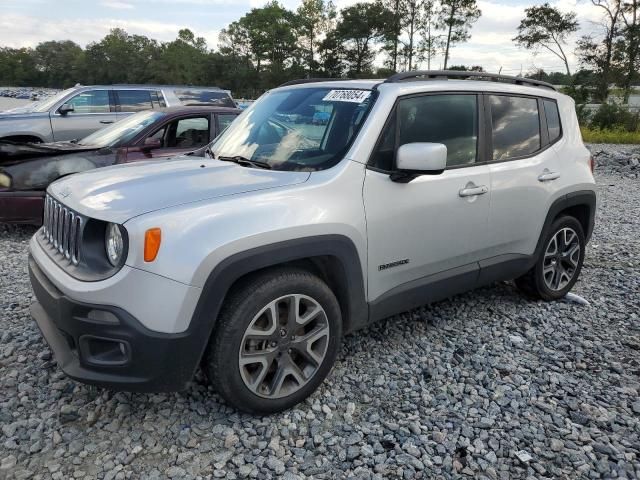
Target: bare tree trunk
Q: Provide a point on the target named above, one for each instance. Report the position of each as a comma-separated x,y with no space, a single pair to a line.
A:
446,51
633,48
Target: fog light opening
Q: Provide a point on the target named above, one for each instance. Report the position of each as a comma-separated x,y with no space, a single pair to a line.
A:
104,351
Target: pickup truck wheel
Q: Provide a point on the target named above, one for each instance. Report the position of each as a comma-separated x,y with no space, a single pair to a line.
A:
276,340
559,265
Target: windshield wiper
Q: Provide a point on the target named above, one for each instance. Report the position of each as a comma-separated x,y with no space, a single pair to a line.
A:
245,162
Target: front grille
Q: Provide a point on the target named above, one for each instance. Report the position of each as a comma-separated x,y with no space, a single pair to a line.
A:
62,229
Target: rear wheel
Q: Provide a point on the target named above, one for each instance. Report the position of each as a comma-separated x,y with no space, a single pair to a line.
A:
560,263
277,338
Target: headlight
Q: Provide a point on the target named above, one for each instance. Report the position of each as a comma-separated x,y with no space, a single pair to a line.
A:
5,180
114,244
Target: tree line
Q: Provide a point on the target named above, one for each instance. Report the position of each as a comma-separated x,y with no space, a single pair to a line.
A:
270,45
609,56
265,47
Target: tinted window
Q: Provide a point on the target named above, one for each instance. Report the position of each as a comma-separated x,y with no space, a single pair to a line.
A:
553,119
92,101
224,120
516,126
448,119
134,100
157,99
210,97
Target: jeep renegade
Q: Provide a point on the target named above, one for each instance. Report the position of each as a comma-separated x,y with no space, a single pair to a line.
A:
255,261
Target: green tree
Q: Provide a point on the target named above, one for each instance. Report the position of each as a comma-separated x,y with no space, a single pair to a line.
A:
631,36
456,17
271,36
599,54
315,18
122,58
60,64
332,63
392,29
184,60
547,27
18,66
360,27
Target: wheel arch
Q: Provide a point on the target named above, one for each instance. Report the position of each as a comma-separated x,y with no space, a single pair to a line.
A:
334,258
581,205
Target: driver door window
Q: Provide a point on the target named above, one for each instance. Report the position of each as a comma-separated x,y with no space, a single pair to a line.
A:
448,119
92,101
184,134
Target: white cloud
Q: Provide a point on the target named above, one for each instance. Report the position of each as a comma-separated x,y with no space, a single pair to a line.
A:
24,31
117,5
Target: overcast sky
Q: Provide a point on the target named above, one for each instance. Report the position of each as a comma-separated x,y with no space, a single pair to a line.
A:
28,22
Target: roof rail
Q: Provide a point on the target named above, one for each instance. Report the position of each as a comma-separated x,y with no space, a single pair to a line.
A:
308,80
465,75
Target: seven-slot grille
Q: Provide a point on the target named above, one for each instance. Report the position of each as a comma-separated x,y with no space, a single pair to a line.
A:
63,229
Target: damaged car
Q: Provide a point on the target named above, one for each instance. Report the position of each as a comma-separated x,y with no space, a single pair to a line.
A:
27,169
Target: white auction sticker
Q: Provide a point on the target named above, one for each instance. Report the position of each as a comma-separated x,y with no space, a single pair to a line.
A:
355,96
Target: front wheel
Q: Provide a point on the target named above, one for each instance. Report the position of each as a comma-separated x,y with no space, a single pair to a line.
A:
559,265
276,340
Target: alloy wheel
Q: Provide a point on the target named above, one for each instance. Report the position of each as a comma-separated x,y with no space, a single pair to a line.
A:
561,259
284,346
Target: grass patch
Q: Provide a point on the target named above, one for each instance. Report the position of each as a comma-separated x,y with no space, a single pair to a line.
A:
593,135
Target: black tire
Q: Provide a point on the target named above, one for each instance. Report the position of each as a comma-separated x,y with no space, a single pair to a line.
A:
221,363
533,282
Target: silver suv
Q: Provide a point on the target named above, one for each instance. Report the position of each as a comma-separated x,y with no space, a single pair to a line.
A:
256,261
80,111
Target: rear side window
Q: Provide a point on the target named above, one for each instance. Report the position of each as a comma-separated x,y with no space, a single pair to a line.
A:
448,119
553,119
516,126
134,100
208,97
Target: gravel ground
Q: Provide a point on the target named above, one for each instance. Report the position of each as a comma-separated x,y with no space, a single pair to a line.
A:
485,385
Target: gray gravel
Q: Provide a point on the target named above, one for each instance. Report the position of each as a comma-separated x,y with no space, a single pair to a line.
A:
485,385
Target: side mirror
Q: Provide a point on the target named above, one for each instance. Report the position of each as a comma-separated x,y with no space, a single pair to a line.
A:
66,108
151,143
415,159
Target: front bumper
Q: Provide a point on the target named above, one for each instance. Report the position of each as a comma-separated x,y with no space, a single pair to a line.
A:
21,207
106,346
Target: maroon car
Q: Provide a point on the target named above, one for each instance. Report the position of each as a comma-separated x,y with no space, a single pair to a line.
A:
27,170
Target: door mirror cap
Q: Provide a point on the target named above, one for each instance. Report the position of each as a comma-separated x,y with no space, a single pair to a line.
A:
66,108
415,159
151,143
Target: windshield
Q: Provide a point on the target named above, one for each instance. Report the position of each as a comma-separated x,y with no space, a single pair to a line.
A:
121,132
45,105
299,129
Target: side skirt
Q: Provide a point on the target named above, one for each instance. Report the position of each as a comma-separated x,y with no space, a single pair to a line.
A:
445,284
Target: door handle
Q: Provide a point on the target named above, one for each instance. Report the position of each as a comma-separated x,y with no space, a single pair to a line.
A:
472,190
106,121
547,176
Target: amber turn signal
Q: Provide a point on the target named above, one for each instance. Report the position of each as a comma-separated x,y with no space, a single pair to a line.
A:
152,239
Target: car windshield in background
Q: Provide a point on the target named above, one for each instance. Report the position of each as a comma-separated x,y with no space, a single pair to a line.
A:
218,98
123,131
298,129
45,105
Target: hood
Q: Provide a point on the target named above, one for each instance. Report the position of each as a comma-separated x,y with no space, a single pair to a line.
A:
121,192
37,173
11,152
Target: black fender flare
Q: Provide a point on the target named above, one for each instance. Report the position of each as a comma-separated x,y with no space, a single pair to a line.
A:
573,199
231,269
